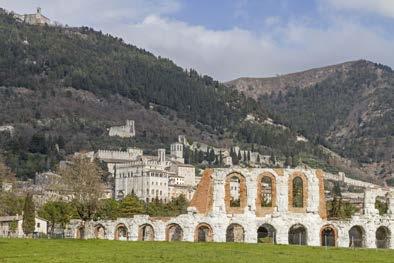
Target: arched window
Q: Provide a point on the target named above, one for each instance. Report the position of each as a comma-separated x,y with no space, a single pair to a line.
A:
266,234
356,236
328,236
298,192
235,233
297,235
203,233
99,231
121,232
266,192
235,192
146,233
382,237
174,232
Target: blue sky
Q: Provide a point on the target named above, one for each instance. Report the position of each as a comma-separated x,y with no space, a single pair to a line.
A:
230,39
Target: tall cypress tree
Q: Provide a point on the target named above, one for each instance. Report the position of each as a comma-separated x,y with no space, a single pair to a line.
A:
29,216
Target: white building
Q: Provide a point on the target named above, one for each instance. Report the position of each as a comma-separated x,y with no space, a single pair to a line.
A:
34,19
7,221
126,131
150,177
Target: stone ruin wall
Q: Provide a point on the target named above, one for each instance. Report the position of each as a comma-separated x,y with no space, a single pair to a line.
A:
210,215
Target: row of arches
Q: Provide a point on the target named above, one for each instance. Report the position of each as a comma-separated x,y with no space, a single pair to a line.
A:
266,233
236,192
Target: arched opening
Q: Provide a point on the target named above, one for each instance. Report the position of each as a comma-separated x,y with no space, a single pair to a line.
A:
174,232
81,232
121,232
266,234
328,236
203,233
235,233
235,195
298,192
146,233
297,235
356,237
266,192
383,237
99,231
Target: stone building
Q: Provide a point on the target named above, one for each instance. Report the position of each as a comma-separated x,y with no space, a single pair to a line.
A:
34,19
154,177
281,206
6,222
126,131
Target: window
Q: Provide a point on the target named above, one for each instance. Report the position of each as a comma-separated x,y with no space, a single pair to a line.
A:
266,191
38,224
298,192
234,192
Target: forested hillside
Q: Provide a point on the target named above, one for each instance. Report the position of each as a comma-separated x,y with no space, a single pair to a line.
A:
62,88
350,110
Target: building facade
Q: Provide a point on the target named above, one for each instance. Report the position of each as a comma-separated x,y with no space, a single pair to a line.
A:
281,206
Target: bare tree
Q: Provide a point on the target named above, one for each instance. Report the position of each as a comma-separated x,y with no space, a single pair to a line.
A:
83,178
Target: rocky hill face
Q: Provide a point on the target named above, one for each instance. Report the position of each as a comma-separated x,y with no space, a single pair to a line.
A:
346,107
256,87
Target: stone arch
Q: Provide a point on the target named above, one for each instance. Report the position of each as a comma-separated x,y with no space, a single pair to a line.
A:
146,232
383,236
203,233
266,194
328,236
235,233
298,235
174,232
80,232
266,233
121,232
298,192
357,236
235,193
99,231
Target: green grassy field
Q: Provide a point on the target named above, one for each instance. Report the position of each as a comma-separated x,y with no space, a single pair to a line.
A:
25,250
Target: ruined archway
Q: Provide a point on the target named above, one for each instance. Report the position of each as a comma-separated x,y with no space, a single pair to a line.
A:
174,232
146,233
203,233
356,237
298,192
99,231
235,233
80,232
298,235
235,193
121,232
383,237
266,194
328,236
266,233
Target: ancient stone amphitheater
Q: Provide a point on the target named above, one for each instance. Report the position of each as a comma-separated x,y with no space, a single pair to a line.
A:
281,206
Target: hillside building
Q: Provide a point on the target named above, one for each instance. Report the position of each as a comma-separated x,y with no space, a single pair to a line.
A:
126,131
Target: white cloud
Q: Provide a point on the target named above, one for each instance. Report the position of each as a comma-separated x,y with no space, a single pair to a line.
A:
94,12
380,7
228,54
224,54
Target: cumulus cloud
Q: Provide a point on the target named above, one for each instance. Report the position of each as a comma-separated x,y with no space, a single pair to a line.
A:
95,12
282,47
380,7
228,54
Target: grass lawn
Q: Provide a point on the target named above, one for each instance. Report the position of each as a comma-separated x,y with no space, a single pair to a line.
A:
27,250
